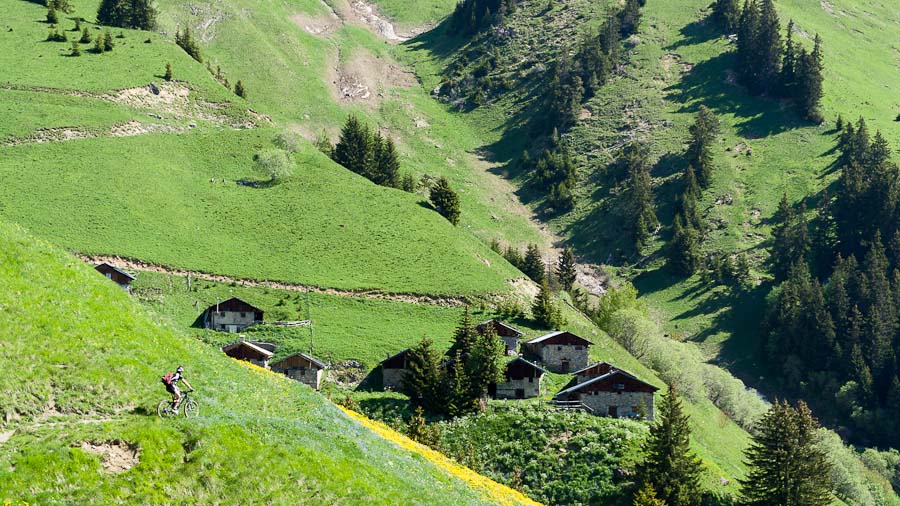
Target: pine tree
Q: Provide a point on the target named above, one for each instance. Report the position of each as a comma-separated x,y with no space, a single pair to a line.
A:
85,36
684,249
748,27
646,496
808,92
769,49
786,466
386,163
76,49
445,201
671,469
486,362
240,90
790,63
98,44
565,269
727,13
699,154
423,380
186,41
138,14
629,18
543,311
839,123
52,17
168,75
458,396
533,264
77,27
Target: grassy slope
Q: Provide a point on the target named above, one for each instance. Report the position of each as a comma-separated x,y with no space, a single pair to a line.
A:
326,226
366,330
87,364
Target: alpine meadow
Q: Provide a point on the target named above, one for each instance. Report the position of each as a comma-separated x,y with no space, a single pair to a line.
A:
563,252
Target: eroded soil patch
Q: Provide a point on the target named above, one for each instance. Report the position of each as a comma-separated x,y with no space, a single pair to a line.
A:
115,456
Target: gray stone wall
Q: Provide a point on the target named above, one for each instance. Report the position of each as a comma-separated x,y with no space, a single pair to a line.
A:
392,379
625,402
512,345
552,356
310,377
507,390
220,321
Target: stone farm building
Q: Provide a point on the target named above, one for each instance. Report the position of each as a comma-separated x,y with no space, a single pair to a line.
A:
617,394
232,315
255,353
508,333
301,367
118,276
392,370
592,371
523,381
560,351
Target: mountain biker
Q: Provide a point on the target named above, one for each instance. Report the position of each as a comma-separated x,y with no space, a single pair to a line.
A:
171,382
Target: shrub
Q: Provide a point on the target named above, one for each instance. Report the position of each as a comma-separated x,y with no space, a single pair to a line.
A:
274,163
168,75
240,90
76,50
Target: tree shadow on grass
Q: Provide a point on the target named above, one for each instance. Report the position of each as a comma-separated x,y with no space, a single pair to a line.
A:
696,32
712,83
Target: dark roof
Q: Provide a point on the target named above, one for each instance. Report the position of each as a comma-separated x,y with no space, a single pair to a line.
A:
100,268
591,366
498,323
229,347
559,334
304,355
520,359
395,355
606,376
234,304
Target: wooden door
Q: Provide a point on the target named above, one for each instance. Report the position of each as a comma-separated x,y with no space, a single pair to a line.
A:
614,411
520,393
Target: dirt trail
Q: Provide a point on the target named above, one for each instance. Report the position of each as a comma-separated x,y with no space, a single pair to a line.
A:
137,265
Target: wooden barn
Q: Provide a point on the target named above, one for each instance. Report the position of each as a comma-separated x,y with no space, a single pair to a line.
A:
250,352
118,276
523,381
616,394
560,351
232,315
393,369
593,370
508,333
301,367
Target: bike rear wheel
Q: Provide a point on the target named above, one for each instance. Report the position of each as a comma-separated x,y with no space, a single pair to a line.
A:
191,408
164,409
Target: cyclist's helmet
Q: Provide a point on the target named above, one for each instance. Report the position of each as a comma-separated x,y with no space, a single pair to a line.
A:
180,369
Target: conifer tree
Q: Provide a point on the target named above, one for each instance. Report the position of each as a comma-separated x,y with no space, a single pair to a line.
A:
699,154
565,269
671,469
386,163
108,43
684,249
464,336
727,13
186,41
240,90
352,149
544,313
640,204
77,27
748,27
138,14
85,36
786,466
629,18
458,398
769,49
168,74
533,264
808,92
52,17
423,381
445,201
76,49
646,496
98,44
486,362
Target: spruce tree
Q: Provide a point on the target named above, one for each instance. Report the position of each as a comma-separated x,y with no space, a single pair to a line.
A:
684,249
786,466
423,381
646,496
445,201
76,49
85,36
727,13
533,264
52,17
186,41
670,467
168,74
108,43
352,149
640,203
386,163
565,269
544,313
486,362
98,44
808,92
748,27
768,50
699,154
464,336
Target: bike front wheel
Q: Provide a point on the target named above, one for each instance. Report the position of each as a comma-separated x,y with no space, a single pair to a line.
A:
191,408
164,409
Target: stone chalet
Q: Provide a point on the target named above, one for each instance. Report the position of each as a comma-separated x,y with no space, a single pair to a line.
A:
301,367
508,333
616,394
560,351
592,371
118,276
523,381
393,369
255,353
232,315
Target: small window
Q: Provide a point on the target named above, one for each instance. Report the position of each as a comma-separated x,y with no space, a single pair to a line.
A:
108,275
619,386
559,348
243,315
531,380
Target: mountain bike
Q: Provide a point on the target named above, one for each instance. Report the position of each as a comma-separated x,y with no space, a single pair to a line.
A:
189,407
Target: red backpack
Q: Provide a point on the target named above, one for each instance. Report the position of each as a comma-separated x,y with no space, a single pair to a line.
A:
167,379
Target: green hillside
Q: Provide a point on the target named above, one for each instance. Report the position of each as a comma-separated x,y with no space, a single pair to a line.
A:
87,364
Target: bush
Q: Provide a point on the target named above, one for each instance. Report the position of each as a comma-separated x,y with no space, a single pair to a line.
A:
276,164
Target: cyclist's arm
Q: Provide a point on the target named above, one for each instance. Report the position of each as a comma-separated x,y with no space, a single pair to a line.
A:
186,383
